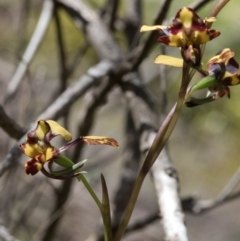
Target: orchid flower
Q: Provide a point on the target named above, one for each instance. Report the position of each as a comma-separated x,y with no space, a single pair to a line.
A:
187,31
40,150
222,73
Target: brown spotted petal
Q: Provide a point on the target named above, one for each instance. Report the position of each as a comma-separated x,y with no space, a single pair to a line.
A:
31,150
187,29
225,63
221,57
231,79
100,140
34,165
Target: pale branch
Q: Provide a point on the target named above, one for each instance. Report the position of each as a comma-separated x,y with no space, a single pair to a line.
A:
76,90
5,234
187,205
10,126
167,190
202,205
36,39
104,43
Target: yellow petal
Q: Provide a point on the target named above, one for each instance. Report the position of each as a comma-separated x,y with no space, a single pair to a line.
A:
59,130
51,152
231,79
186,16
222,57
31,150
177,40
146,28
210,20
169,60
100,140
42,129
202,37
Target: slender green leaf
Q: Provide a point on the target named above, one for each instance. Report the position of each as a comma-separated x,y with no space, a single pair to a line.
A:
106,209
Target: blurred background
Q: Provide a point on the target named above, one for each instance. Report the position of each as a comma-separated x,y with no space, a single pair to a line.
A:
204,146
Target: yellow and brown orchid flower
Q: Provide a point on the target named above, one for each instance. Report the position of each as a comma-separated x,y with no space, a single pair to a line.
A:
187,31
222,73
40,150
225,67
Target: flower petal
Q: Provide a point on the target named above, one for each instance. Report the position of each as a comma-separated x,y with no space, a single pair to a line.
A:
51,153
31,150
221,57
100,140
232,66
231,79
210,20
146,28
57,129
169,60
173,40
39,134
33,166
185,16
201,37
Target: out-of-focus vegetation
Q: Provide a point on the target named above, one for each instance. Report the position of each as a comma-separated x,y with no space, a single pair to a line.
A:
204,145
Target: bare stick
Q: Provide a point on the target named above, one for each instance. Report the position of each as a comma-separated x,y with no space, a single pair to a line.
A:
203,205
37,37
5,235
104,43
61,50
167,189
72,93
111,12
10,126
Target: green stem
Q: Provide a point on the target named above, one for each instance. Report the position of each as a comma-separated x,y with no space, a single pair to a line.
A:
81,178
107,229
66,162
